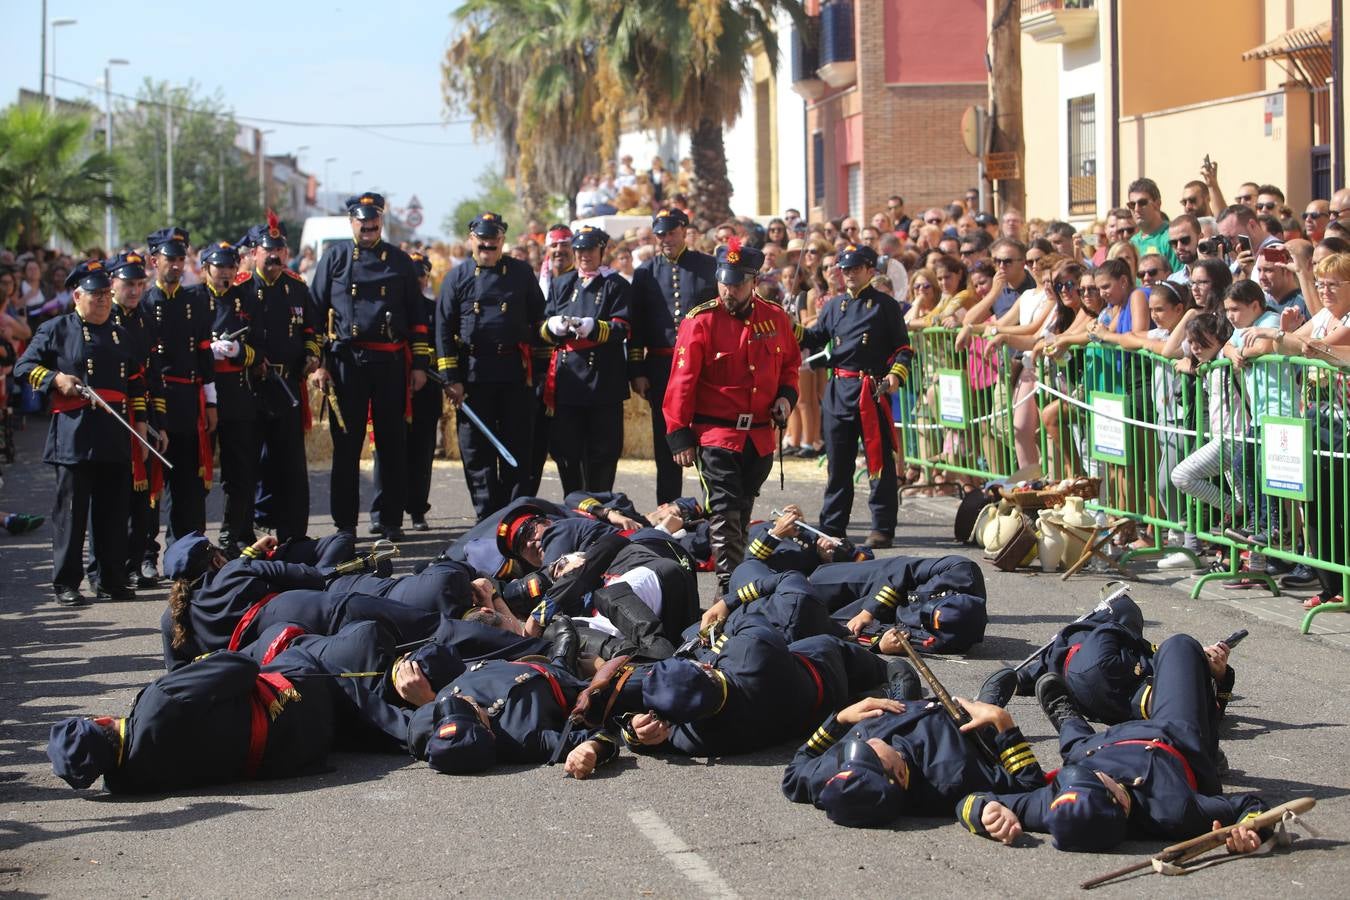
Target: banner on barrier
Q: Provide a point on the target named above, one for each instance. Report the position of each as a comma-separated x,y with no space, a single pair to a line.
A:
952,397
1285,457
1110,442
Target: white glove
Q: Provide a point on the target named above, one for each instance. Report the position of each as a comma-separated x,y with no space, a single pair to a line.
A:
557,326
586,327
224,349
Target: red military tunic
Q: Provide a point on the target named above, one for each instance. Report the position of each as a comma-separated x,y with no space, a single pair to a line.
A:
728,371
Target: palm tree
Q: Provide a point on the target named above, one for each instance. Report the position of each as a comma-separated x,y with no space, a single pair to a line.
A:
684,63
51,178
529,73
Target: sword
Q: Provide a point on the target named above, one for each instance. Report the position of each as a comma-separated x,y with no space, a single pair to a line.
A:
379,552
94,399
823,354
954,709
231,335
487,433
812,530
1103,606
330,394
290,394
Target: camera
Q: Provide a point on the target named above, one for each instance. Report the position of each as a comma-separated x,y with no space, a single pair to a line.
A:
1216,246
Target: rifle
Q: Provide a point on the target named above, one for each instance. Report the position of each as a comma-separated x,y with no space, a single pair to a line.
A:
95,400
1188,850
955,710
379,552
1103,606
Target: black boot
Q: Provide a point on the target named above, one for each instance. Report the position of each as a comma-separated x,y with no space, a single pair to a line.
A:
999,688
1053,694
903,681
724,530
563,636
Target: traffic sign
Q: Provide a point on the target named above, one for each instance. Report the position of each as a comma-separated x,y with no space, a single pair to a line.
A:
1001,166
414,203
414,217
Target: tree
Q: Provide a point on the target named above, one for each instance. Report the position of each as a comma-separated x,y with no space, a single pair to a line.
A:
684,63
530,73
53,177
494,195
215,191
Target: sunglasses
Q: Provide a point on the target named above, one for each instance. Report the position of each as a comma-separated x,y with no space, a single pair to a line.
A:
1136,204
1314,215
1124,230
1183,241
1091,290
1064,287
1006,260
932,221
1266,206
1150,273
969,252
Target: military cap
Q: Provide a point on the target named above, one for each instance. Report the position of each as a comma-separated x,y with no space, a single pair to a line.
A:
737,262
1103,671
511,529
90,275
683,690
187,557
486,558
690,509
588,237
1084,815
668,218
365,206
459,744
488,224
128,265
220,253
168,242
957,616
862,794
439,663
423,264
856,255
269,235
80,751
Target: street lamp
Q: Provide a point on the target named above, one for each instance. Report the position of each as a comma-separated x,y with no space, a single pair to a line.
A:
262,185
108,224
355,172
56,23
327,186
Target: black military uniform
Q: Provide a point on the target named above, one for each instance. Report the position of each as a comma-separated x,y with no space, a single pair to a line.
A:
377,336
868,341
90,449
585,384
182,327
540,355
663,291
284,333
486,320
235,309
427,406
142,548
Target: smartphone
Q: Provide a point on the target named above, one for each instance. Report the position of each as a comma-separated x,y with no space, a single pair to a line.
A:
1244,243
1089,239
1276,255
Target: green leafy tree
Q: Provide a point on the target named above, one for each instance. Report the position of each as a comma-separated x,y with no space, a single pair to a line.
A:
53,177
494,195
215,185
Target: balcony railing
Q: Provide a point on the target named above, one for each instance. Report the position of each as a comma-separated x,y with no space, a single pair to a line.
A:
1059,21
1036,7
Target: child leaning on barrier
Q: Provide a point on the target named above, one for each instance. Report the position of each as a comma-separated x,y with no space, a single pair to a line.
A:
1206,336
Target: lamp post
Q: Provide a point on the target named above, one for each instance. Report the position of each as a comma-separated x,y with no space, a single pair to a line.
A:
326,184
355,172
108,224
56,23
262,184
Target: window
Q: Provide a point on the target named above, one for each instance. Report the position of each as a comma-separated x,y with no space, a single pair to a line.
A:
1083,155
817,168
853,177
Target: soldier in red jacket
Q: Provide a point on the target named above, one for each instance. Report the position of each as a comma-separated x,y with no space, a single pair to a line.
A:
734,376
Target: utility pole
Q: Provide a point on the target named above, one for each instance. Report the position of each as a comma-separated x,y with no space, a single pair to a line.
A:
168,159
108,223
262,166
1005,97
43,84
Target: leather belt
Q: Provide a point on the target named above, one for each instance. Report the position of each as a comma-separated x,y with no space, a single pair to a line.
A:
552,680
740,423
1166,748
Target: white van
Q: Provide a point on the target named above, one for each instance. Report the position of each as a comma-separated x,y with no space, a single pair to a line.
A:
320,231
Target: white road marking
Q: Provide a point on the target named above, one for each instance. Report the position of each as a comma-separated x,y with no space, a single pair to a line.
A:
680,855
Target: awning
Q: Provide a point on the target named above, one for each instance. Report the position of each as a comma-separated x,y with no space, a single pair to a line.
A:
1305,53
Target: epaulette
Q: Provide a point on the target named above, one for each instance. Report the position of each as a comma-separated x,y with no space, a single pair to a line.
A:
243,276
293,274
707,306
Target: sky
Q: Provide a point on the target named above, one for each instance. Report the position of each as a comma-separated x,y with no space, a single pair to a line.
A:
300,60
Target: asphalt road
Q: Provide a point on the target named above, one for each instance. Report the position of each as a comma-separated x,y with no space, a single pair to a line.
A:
642,826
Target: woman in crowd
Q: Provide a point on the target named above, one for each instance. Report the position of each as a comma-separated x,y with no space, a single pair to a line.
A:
957,296
922,299
776,232
810,289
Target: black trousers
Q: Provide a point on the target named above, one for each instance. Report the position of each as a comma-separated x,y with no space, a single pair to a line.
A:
139,519
841,434
184,500
380,389
586,442
534,475
282,501
237,440
731,480
506,409
90,495
420,453
669,473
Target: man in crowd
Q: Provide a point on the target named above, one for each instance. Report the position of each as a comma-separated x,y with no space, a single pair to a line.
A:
487,317
1316,216
1275,275
1146,204
1195,199
734,378
377,357
1183,236
1242,231
665,288
895,208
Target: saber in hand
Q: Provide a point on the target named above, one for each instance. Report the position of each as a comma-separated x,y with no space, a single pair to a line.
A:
487,433
954,709
231,335
379,552
94,399
330,394
290,394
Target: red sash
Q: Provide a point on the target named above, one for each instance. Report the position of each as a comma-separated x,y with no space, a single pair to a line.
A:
281,642
815,676
1166,748
62,404
870,420
204,454
552,682
247,619
269,692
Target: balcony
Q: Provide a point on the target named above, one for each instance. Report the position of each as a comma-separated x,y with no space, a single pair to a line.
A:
838,59
1059,21
806,60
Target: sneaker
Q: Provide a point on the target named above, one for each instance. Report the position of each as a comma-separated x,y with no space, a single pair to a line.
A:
1177,561
18,523
1318,599
1278,567
1052,692
1300,576
999,688
902,681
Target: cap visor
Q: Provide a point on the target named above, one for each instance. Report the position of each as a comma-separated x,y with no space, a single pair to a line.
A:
664,226
731,276
366,212
172,249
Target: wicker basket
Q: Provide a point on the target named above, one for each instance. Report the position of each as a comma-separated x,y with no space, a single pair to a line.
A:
1089,488
1032,500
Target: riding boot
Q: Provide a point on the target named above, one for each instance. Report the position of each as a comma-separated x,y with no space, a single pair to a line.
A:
566,644
728,545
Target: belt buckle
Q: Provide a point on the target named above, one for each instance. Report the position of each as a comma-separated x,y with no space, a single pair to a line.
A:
743,422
